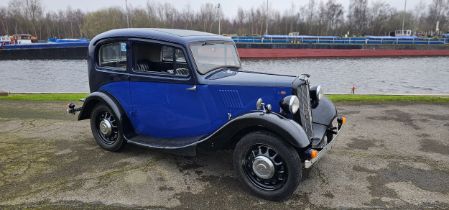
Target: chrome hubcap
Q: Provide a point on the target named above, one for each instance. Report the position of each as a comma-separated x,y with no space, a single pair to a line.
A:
263,167
105,127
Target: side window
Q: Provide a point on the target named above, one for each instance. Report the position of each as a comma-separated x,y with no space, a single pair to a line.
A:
167,54
113,56
153,58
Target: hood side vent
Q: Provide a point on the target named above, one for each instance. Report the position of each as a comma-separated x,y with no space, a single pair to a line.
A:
231,99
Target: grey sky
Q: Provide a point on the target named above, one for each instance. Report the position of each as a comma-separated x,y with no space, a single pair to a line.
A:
229,6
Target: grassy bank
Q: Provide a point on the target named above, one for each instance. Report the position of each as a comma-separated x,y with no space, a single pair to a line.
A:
334,98
389,98
44,97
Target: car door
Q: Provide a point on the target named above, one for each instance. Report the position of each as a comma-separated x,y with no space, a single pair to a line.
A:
166,102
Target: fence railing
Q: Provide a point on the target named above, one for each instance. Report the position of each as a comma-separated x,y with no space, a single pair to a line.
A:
358,41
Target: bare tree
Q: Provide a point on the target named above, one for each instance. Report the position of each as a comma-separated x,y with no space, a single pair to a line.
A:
315,17
3,20
380,14
358,16
331,14
311,15
438,11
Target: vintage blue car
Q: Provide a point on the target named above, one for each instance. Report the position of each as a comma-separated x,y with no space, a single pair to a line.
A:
185,91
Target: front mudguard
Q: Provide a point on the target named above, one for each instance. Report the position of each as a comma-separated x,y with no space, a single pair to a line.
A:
325,112
287,129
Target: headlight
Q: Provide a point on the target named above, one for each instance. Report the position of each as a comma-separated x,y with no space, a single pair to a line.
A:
290,104
316,92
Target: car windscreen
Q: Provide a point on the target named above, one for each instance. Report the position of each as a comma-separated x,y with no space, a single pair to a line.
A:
211,56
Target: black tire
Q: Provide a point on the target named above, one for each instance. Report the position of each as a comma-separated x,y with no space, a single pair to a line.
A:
287,175
113,142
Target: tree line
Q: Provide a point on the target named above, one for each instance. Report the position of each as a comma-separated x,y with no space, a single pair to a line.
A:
317,17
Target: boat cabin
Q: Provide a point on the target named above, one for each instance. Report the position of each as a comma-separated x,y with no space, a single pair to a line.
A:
403,33
22,38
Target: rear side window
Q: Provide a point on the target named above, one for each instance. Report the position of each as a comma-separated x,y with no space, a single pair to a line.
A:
159,59
113,56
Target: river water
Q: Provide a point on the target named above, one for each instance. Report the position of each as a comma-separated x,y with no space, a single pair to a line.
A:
427,75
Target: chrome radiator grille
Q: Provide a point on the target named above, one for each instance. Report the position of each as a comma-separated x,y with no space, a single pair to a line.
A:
304,115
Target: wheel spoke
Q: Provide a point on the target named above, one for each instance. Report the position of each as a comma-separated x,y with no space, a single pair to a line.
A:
253,154
260,150
278,163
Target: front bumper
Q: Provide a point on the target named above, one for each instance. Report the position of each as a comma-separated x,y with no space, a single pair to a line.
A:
328,147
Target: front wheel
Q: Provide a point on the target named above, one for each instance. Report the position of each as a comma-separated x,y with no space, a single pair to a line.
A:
268,166
107,128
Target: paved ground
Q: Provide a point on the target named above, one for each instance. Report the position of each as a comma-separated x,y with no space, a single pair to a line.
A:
388,156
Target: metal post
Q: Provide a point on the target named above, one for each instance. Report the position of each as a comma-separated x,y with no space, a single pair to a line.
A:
219,19
127,12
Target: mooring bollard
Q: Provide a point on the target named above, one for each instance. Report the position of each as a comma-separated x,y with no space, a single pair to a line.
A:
3,93
353,89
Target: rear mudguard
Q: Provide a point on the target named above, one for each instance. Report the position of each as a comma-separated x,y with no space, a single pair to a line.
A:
99,97
232,131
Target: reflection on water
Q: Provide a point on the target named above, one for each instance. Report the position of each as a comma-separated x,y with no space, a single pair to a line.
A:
370,75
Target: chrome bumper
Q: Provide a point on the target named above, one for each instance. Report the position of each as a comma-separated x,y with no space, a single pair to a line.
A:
323,152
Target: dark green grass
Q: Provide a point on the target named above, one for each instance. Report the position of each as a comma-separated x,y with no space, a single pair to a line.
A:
334,98
44,97
389,98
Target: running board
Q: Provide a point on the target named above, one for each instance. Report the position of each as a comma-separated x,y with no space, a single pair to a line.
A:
159,143
176,147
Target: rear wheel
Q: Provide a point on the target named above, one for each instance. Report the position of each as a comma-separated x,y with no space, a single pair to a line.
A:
268,166
106,128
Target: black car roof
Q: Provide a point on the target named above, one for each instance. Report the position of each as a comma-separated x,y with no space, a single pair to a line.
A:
163,34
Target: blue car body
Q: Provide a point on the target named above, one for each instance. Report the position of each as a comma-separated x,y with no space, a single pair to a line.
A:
173,113
167,110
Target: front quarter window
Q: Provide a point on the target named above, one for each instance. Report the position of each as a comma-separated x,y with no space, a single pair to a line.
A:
211,56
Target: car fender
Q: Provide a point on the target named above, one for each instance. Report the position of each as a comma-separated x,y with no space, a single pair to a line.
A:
99,97
287,129
325,112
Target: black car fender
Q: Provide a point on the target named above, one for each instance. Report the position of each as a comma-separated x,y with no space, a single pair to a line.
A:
102,97
236,128
325,112
99,97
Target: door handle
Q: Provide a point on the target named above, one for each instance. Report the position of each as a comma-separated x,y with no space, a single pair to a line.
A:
193,88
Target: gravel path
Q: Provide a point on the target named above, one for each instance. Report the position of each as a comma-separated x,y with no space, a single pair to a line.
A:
394,155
